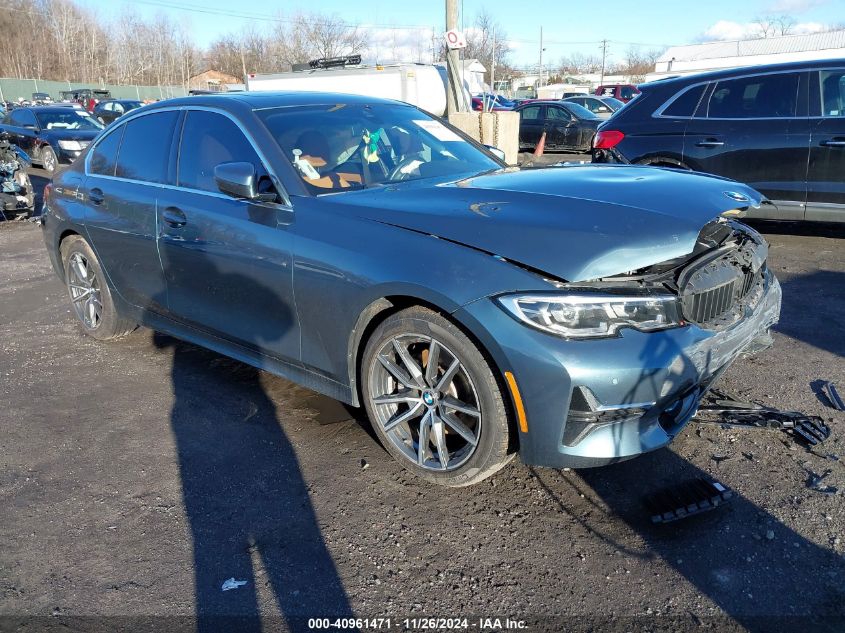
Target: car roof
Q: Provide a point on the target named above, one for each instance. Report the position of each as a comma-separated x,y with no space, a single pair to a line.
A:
741,71
260,100
49,108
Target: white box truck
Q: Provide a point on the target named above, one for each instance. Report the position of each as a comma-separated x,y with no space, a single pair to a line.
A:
422,85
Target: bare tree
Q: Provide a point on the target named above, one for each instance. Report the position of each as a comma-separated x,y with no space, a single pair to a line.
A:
486,41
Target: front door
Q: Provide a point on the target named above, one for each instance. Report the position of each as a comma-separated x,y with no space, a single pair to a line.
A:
227,261
826,173
748,130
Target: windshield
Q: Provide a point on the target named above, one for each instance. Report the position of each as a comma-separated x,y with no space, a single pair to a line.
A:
67,120
341,146
580,111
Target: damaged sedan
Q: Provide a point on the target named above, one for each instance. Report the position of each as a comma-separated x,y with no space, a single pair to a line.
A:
366,250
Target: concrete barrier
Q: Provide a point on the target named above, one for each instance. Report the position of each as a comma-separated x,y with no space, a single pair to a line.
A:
499,129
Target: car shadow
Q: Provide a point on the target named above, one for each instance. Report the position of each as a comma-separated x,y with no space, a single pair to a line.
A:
759,572
247,505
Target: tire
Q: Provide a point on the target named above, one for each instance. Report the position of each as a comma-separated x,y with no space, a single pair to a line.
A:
89,293
464,444
48,159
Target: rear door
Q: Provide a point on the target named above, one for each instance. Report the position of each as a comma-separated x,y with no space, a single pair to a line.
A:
227,260
125,172
22,128
749,129
826,172
531,125
561,127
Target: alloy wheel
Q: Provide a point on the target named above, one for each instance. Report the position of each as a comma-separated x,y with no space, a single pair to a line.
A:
84,288
49,161
425,402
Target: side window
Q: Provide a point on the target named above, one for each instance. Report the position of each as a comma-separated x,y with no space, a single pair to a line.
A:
145,150
104,155
531,113
209,139
833,92
22,118
754,97
685,104
558,114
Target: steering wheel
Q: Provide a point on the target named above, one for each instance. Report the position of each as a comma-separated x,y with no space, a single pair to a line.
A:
397,174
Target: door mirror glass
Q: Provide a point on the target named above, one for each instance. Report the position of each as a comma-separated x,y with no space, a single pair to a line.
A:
237,180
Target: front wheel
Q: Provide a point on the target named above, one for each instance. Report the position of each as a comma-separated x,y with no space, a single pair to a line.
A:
89,293
434,400
48,159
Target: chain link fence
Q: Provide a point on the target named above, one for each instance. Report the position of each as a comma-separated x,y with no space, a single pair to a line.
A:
14,89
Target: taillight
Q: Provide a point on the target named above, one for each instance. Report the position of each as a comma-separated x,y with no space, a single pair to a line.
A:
607,139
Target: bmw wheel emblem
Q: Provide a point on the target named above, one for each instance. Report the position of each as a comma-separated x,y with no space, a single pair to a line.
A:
428,398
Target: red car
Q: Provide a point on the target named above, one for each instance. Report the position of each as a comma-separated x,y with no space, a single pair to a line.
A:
623,92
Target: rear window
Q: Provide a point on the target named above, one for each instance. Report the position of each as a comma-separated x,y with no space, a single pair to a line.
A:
628,92
104,154
761,96
145,150
684,105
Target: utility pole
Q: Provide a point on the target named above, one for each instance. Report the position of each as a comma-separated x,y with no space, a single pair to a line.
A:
454,93
493,67
540,73
603,58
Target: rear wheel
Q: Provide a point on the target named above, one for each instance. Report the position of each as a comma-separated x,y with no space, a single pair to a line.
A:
89,293
434,400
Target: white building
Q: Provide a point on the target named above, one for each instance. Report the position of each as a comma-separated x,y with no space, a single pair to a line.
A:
472,72
696,58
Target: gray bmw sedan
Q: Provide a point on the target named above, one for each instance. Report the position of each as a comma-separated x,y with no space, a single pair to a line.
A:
372,252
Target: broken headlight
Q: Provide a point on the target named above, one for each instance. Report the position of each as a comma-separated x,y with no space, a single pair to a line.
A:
594,315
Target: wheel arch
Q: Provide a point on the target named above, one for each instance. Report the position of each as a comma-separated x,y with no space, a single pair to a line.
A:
62,237
380,309
663,161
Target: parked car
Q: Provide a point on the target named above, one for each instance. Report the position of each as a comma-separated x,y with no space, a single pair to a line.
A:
602,107
575,315
623,92
87,97
107,111
490,103
41,98
779,128
567,125
50,134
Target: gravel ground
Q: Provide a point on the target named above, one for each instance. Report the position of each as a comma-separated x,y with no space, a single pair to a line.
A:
136,477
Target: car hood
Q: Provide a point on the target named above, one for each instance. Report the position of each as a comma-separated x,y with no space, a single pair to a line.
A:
574,223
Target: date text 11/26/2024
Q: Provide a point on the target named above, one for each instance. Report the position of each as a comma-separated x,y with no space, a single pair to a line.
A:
418,624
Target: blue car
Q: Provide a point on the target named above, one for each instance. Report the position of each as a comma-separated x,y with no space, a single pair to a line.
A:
371,252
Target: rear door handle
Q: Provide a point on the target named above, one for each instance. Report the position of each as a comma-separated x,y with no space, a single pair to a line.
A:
710,142
835,142
96,196
174,217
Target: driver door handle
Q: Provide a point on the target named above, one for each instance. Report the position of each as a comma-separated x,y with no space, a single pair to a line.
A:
710,142
834,142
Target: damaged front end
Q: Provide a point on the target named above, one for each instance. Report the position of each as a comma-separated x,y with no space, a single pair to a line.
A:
635,395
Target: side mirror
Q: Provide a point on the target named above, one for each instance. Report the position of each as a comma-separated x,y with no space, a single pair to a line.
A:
237,179
496,152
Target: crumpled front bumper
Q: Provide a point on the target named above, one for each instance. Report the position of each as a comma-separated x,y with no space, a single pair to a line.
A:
590,403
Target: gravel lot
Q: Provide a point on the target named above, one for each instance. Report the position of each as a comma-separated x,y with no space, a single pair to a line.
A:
136,477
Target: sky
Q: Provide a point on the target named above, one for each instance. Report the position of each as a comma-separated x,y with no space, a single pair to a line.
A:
568,25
